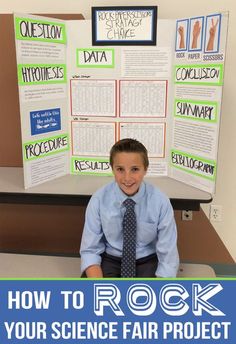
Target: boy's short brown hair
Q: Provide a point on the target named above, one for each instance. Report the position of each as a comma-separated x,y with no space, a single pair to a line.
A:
129,146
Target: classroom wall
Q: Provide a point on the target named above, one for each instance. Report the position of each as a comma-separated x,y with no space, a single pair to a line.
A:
226,181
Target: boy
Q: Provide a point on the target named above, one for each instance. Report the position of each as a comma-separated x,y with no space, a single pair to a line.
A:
156,236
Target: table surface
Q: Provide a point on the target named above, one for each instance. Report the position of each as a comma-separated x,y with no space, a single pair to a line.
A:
11,181
38,266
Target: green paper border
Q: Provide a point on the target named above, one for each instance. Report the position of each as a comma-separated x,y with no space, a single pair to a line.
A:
38,21
95,65
106,174
46,82
202,102
219,83
46,154
212,162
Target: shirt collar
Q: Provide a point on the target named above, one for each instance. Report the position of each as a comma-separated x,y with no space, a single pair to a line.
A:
121,196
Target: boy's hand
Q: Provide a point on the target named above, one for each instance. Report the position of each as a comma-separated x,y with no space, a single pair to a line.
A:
94,271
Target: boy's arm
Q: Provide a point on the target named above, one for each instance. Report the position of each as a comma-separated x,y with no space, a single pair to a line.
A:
166,247
92,243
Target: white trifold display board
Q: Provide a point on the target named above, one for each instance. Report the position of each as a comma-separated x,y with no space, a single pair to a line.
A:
77,100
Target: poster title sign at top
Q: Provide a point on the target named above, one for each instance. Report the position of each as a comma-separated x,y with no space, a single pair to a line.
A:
124,25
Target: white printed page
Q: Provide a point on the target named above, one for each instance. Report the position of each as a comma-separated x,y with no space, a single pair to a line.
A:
149,62
143,98
152,135
93,98
199,72
88,138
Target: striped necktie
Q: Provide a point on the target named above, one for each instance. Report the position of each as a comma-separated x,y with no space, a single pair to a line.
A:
128,262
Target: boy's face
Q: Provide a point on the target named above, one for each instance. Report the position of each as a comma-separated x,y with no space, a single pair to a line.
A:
129,170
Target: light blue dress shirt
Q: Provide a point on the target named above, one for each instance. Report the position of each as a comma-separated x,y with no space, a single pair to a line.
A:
156,228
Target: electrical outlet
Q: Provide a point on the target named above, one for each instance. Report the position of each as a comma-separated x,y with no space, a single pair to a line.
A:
216,213
187,215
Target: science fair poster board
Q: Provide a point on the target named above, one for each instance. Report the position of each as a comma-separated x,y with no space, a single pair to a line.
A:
78,99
